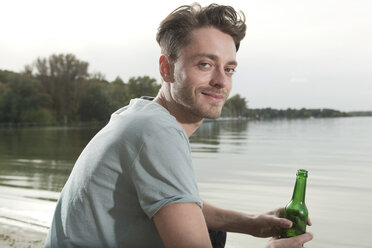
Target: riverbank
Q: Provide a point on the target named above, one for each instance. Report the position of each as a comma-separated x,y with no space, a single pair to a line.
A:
25,216
19,235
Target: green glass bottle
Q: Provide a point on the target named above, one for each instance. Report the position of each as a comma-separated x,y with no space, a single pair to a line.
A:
296,209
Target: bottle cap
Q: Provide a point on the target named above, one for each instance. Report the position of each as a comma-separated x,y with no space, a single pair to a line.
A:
302,172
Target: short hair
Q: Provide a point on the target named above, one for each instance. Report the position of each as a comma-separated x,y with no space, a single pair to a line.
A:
174,31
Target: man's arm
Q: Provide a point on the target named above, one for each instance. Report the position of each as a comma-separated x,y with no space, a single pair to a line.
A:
263,225
182,225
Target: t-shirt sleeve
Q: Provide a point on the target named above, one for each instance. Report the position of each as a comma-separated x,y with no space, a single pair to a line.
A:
162,173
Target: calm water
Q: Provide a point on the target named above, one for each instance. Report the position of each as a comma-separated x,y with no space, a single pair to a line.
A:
247,166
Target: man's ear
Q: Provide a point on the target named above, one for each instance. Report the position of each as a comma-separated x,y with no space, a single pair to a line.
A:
165,68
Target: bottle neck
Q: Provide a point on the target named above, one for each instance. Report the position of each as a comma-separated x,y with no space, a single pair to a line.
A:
300,189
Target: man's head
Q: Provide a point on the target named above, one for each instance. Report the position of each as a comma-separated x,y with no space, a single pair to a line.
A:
198,59
174,31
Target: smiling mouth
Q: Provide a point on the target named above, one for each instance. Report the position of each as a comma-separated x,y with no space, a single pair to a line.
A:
214,96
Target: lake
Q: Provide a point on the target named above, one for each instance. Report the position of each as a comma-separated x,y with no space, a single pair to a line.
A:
244,165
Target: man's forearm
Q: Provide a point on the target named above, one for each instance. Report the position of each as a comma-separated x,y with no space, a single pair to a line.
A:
261,225
227,220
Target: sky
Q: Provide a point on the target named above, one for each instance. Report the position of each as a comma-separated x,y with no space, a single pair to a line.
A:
296,53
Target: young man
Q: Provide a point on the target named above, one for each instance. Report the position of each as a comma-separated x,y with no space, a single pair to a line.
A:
134,185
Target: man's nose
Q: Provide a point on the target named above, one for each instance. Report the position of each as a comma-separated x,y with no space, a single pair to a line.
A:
219,78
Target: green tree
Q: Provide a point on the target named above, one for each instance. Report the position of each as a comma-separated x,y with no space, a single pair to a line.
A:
22,100
94,101
118,93
60,76
142,86
235,106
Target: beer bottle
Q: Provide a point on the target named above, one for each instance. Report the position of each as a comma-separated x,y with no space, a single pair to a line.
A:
296,210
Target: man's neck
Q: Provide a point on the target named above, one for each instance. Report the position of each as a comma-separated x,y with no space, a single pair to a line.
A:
188,121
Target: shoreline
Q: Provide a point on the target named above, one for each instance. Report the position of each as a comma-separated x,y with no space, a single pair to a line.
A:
15,234
25,216
350,114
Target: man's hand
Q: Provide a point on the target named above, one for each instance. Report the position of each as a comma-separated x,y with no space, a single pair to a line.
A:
270,223
295,242
182,225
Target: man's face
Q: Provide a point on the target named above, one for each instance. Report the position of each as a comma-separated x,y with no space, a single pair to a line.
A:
203,73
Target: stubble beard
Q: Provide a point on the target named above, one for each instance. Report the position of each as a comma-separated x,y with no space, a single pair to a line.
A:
200,108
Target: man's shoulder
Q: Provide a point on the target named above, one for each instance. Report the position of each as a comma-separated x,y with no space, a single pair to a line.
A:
146,117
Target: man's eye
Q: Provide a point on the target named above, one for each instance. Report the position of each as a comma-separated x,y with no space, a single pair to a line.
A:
205,65
230,70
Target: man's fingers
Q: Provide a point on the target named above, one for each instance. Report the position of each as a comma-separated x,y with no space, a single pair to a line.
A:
303,238
285,223
309,223
280,212
293,242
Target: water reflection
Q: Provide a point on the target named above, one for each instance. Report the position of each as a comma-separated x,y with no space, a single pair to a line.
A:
44,143
207,137
43,157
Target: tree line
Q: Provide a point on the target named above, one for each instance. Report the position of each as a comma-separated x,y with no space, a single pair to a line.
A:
60,90
236,106
269,113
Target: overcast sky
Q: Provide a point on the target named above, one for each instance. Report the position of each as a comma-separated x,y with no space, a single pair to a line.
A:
297,53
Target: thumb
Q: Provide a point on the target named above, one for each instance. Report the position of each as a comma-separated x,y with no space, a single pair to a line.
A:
283,223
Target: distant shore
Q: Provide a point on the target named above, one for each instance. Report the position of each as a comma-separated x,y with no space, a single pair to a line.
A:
102,123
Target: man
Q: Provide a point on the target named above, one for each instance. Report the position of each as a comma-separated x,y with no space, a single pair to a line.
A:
134,185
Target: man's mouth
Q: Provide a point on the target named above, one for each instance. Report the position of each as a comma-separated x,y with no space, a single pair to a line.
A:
214,96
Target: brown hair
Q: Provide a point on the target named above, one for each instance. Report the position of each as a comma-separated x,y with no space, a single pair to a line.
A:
174,31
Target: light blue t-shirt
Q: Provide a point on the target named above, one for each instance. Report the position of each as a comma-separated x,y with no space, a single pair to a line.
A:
139,162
